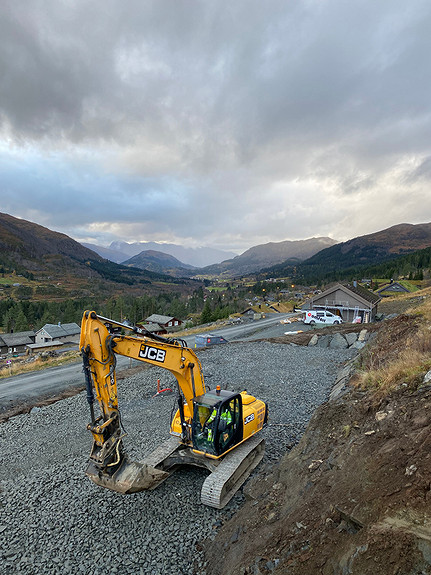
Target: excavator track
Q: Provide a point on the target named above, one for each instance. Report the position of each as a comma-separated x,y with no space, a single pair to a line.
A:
226,475
219,488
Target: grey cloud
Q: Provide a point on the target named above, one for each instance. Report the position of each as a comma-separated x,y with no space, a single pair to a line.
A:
214,108
262,71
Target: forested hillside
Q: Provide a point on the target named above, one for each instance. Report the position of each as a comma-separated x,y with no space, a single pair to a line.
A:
385,253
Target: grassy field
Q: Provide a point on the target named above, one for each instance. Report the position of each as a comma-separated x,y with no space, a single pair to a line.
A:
21,365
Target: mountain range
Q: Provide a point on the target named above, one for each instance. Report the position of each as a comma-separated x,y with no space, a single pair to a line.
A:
251,261
262,256
160,262
120,252
29,248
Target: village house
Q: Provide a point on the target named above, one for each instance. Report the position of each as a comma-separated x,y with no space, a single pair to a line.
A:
251,314
66,332
11,343
392,288
349,301
161,324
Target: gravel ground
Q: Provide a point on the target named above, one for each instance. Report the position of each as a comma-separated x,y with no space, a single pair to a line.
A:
54,520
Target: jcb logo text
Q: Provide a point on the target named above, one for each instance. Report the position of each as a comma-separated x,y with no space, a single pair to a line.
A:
152,353
249,418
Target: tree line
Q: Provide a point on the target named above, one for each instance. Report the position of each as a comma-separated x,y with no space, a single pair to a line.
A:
24,314
413,266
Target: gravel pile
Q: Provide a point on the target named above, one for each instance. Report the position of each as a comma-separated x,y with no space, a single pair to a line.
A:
54,520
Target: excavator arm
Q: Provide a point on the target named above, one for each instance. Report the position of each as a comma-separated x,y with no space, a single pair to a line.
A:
99,345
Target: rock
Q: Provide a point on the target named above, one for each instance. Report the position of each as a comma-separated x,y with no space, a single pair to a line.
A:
362,335
351,337
313,340
427,376
324,341
357,345
339,389
338,342
315,464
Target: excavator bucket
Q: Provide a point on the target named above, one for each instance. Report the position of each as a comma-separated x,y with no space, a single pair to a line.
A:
131,477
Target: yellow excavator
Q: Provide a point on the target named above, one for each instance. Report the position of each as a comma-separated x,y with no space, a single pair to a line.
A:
214,429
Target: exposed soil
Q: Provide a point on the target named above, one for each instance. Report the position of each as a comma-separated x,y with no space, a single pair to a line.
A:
353,497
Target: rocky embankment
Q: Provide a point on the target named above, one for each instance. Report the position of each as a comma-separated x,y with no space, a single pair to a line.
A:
338,340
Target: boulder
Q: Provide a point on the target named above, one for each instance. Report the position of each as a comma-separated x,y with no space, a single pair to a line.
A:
313,340
324,341
338,342
351,337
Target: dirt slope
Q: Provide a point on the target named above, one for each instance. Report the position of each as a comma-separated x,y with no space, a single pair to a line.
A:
353,497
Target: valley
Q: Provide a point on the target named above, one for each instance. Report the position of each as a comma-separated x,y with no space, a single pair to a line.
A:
47,277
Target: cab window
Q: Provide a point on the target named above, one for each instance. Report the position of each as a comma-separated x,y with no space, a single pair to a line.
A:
229,430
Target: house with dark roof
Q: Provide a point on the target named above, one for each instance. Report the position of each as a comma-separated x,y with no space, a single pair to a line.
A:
153,328
167,324
16,342
349,301
61,332
251,314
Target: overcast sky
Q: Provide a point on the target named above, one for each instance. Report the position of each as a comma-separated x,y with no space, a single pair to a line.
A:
220,123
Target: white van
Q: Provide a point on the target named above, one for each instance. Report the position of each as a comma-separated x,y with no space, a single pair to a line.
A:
321,316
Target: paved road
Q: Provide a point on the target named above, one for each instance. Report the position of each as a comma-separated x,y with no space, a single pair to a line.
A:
263,328
46,383
247,331
52,381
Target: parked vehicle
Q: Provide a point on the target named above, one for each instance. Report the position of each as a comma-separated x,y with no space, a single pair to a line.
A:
321,316
207,339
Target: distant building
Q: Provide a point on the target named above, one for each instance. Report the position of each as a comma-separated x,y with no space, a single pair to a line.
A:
392,288
162,324
16,342
249,313
61,332
153,328
349,301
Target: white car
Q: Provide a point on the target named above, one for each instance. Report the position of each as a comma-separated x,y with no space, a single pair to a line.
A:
314,316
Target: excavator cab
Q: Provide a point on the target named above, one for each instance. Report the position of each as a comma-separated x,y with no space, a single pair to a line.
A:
217,422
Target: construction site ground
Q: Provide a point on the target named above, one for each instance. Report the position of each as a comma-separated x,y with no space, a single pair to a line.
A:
353,497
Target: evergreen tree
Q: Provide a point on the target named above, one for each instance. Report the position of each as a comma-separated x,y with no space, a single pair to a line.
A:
21,322
8,322
206,315
69,314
